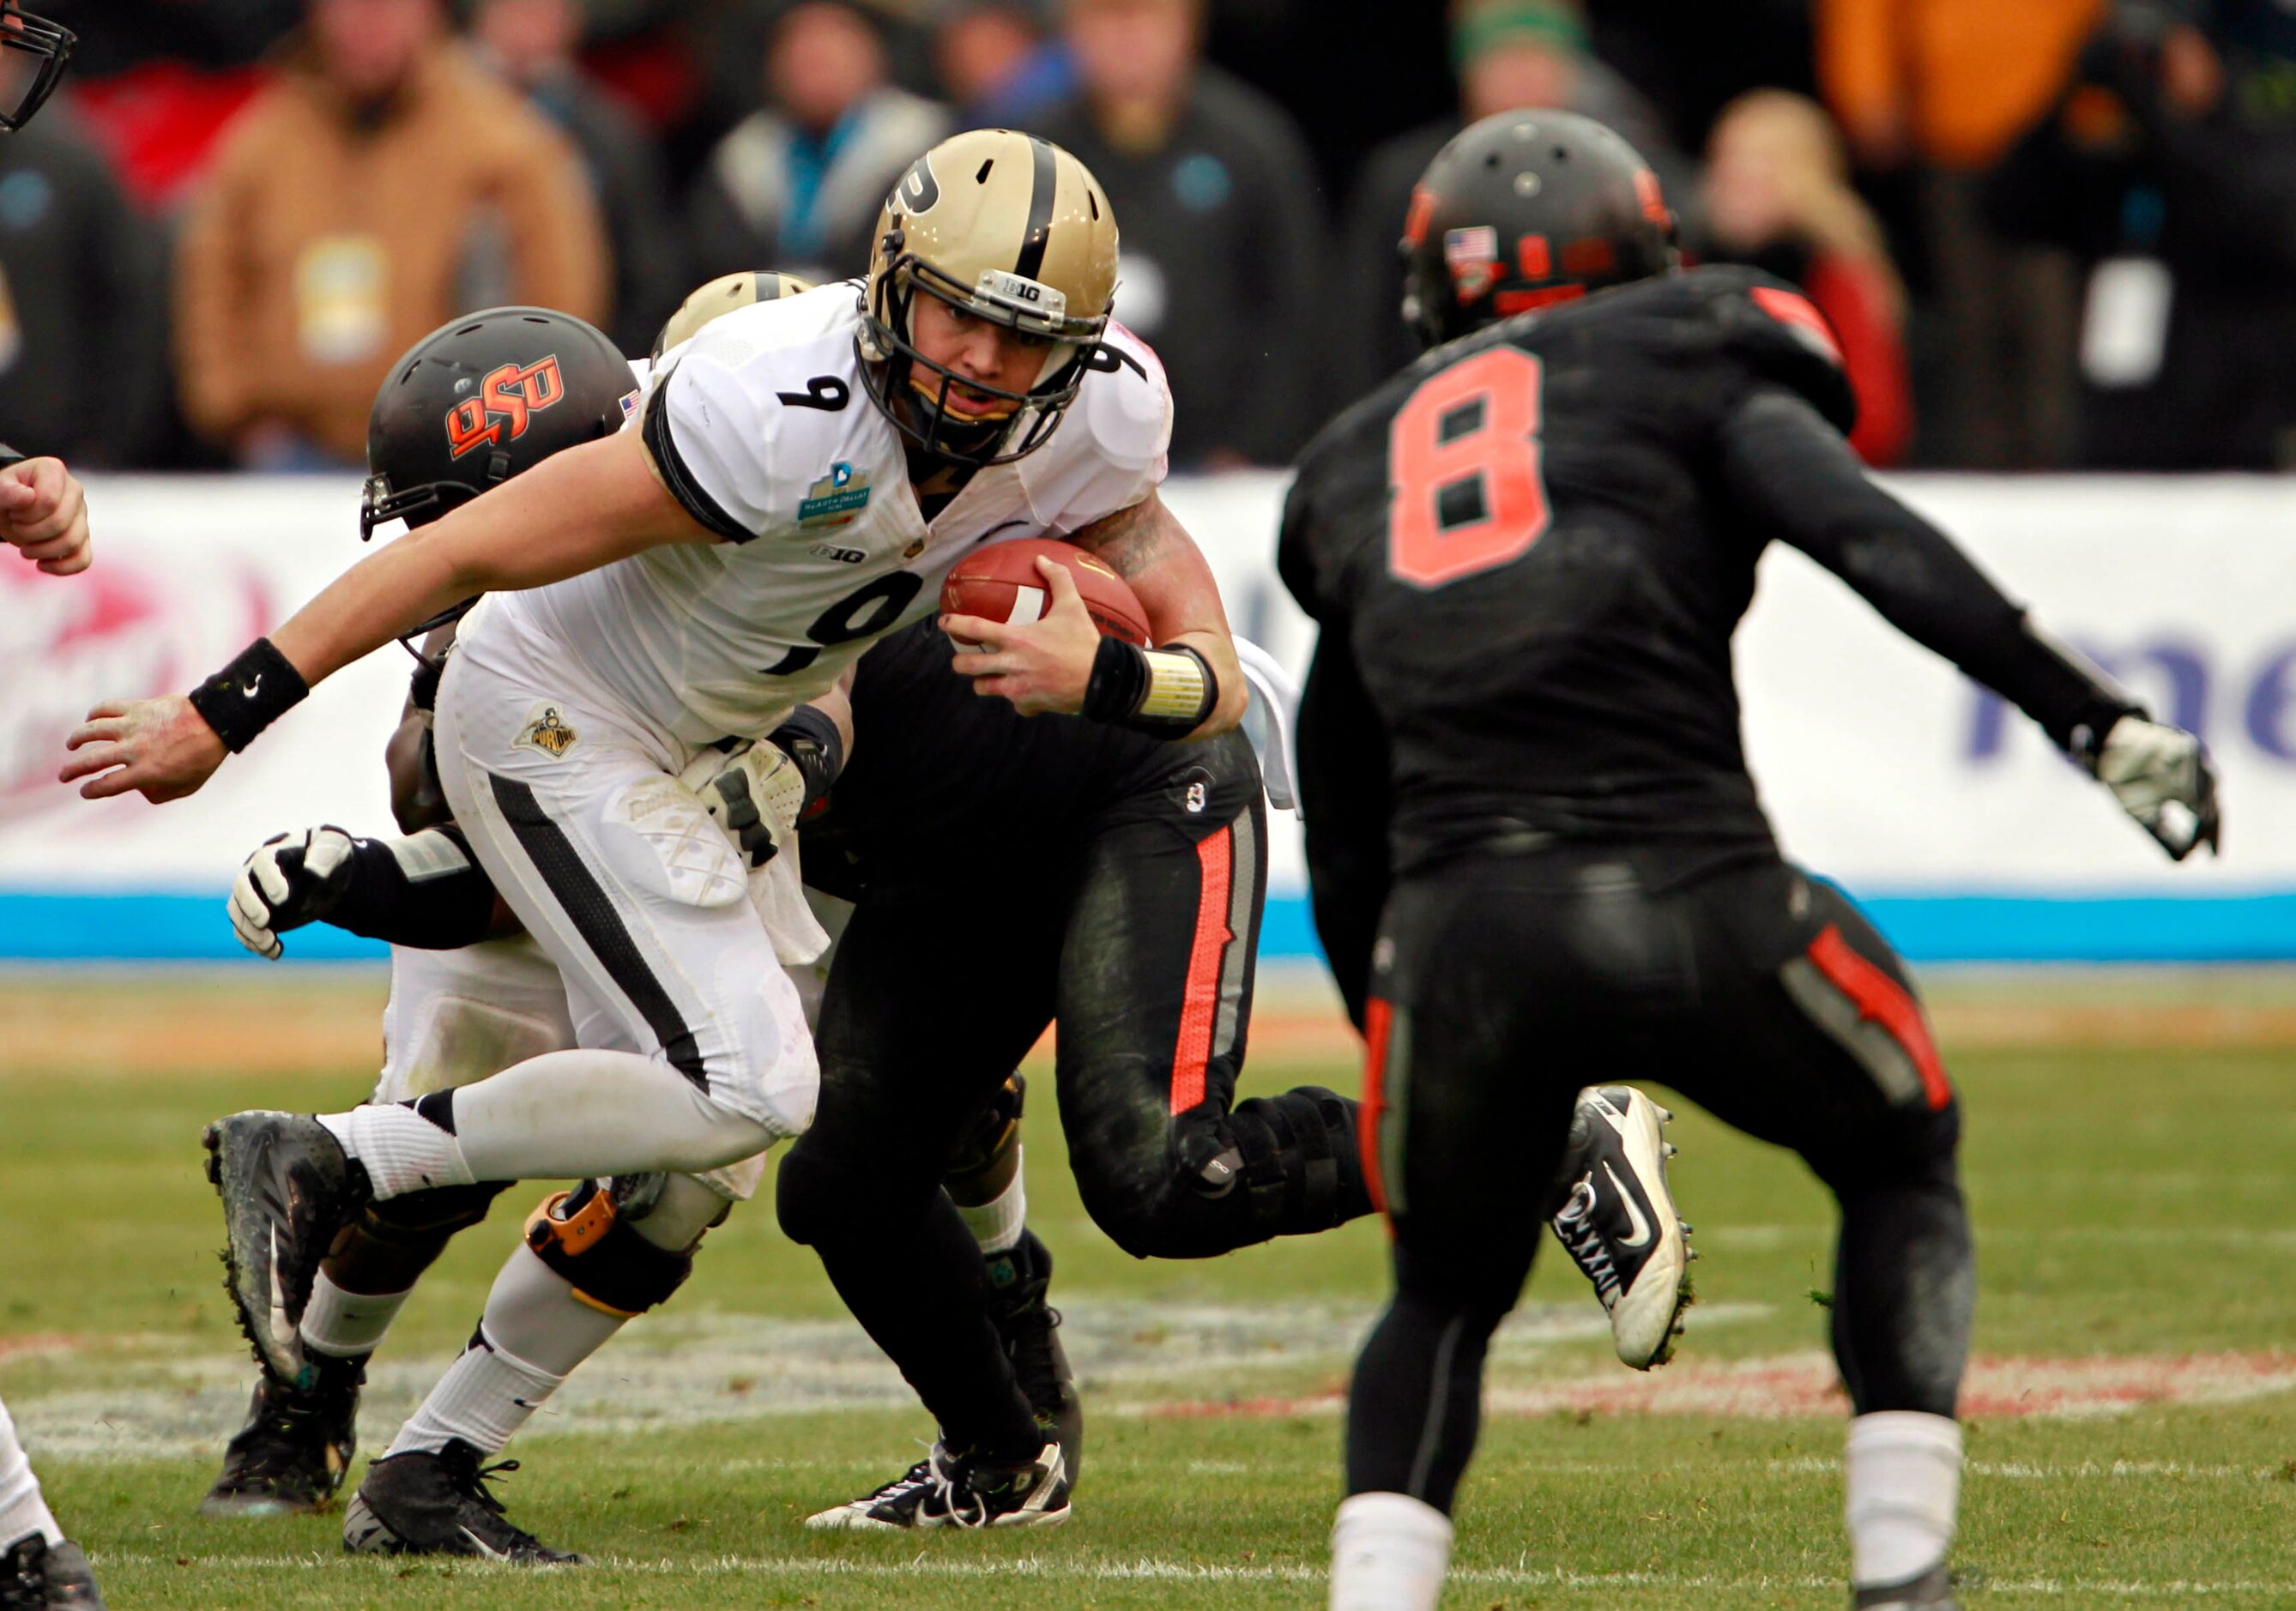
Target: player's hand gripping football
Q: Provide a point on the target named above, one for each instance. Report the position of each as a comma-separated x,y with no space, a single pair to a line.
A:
756,797
44,514
2162,777
291,880
1043,666
161,749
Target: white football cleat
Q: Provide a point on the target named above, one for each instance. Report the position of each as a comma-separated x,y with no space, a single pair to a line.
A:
1619,1223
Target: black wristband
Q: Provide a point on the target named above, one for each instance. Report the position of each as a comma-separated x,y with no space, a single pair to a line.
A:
250,694
810,739
1166,694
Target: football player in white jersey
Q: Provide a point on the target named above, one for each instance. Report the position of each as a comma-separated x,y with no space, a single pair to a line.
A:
805,474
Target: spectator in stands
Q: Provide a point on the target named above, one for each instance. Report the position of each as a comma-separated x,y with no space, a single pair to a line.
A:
1938,91
83,374
2170,167
532,43
796,184
1512,56
1777,196
382,184
1223,249
1000,63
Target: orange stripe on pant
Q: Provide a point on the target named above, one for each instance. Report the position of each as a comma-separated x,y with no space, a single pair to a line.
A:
1379,1018
1880,998
1200,1007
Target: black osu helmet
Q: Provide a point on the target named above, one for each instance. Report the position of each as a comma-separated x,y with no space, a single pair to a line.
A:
50,43
1524,209
479,400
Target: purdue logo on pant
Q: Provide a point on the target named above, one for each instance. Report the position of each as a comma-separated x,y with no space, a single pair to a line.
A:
547,731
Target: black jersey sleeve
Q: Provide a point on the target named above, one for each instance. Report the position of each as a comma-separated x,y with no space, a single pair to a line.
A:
1795,478
1345,805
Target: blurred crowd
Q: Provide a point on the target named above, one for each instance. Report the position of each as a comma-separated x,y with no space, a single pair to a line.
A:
2049,234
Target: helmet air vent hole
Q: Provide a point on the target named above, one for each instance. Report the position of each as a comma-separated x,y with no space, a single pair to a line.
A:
1094,198
982,177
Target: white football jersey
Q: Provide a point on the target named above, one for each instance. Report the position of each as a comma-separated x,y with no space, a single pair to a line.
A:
760,427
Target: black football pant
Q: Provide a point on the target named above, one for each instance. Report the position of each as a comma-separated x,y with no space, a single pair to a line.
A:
1758,993
1140,944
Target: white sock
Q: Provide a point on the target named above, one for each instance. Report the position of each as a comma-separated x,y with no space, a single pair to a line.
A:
538,1330
400,1150
484,1398
566,1114
22,1511
1903,1472
348,1325
1389,1553
997,1225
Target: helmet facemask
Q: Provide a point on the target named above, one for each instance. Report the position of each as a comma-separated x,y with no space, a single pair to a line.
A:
50,42
913,390
380,503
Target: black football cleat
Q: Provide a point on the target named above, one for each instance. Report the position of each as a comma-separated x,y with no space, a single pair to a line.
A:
37,1576
422,1503
290,1456
944,1490
1619,1223
1932,1590
287,1187
1030,1329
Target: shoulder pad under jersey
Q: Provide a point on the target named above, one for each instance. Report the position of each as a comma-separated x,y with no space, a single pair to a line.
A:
1778,333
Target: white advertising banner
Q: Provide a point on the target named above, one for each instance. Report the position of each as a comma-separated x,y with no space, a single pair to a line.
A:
1881,765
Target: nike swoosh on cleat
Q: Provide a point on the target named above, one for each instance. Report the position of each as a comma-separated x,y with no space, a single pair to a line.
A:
1641,1224
483,1547
282,1333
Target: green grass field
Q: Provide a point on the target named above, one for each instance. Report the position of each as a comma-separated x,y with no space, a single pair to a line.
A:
2134,1439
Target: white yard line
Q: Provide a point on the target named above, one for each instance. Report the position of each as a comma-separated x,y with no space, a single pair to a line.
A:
1150,1569
2081,1471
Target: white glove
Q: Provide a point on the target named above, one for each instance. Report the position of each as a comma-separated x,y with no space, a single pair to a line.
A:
756,795
2162,777
293,879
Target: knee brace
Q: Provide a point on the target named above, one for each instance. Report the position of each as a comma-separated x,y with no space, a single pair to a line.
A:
591,1237
1296,1157
990,1152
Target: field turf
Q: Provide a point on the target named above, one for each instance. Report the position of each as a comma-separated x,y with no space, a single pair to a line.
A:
2129,1158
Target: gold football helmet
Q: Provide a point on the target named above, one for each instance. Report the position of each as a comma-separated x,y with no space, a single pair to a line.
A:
1008,228
723,295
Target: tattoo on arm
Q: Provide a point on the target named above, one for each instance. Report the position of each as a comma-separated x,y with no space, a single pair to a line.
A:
1131,539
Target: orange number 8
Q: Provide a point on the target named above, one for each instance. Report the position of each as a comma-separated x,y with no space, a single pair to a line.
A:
1497,453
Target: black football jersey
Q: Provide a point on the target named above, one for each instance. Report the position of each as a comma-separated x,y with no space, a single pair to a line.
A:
1531,547
949,789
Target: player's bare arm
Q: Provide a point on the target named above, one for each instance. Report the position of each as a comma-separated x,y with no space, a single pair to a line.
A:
44,515
1048,665
586,508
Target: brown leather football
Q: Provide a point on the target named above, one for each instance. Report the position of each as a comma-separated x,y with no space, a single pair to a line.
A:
1000,583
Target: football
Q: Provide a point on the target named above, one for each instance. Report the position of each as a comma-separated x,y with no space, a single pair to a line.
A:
1000,583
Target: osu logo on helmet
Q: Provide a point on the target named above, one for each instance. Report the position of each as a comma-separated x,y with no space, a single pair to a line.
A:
505,398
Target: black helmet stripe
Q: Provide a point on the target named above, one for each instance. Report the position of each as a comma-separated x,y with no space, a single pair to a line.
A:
1044,179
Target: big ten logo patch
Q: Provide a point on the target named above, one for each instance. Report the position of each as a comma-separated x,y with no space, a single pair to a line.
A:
547,731
506,400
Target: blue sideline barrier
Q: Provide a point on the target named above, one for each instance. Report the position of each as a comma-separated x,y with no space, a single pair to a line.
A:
2257,927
